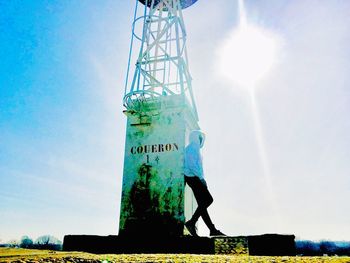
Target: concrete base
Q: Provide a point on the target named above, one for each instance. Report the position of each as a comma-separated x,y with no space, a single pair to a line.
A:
135,245
272,245
263,245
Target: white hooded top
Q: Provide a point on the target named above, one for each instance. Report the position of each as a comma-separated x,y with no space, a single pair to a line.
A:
193,158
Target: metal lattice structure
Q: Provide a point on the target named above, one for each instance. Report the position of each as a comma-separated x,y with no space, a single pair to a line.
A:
162,62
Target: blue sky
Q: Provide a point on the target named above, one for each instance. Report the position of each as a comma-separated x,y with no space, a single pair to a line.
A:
62,72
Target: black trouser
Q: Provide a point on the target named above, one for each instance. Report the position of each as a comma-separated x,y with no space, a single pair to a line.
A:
203,198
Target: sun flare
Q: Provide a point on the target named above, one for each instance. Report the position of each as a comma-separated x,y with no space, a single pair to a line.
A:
247,55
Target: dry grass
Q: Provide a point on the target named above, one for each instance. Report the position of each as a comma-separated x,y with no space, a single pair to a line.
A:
32,255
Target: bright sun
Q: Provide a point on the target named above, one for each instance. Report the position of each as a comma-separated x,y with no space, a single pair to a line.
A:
247,55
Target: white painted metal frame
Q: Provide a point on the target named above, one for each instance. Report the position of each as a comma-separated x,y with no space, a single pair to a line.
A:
162,63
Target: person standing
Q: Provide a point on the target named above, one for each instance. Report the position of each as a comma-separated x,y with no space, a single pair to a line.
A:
194,177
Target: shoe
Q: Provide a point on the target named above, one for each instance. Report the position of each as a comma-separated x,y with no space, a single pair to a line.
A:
191,228
216,233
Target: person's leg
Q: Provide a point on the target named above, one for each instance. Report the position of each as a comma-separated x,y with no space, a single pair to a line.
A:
200,212
196,215
191,182
204,200
207,220
191,224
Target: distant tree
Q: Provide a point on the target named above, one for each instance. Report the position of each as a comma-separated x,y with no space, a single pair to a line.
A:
26,242
328,247
312,248
343,250
48,242
13,243
308,248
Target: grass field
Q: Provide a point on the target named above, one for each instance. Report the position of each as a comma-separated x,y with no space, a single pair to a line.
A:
32,255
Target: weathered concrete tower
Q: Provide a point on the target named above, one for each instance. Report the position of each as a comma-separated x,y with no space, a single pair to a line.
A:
161,112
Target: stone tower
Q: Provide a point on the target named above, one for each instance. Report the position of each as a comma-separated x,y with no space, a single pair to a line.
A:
161,112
